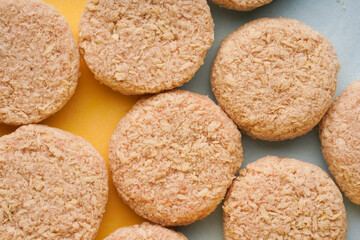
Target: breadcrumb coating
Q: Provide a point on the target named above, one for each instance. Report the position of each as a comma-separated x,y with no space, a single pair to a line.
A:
275,77
53,185
138,47
281,198
39,61
145,231
241,5
340,139
173,156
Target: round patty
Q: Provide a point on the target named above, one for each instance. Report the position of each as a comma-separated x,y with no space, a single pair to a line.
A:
340,139
241,5
281,198
138,47
53,185
145,231
275,77
39,61
173,156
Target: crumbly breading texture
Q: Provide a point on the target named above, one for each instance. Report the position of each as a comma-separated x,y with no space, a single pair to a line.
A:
53,185
241,5
275,77
340,139
280,198
138,47
173,156
145,231
39,61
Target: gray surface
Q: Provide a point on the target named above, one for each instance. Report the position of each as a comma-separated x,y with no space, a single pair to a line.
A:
340,22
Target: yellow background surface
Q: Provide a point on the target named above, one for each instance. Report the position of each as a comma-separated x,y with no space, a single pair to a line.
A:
92,113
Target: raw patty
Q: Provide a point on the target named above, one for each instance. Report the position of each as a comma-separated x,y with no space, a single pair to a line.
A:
53,185
340,139
138,47
145,231
275,77
39,61
281,198
241,5
173,156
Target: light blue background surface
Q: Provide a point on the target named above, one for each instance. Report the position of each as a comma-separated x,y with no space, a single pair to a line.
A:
340,22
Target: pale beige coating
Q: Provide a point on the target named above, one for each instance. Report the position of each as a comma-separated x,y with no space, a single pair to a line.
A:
53,185
145,231
39,61
275,77
281,198
138,47
173,156
340,140
241,5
